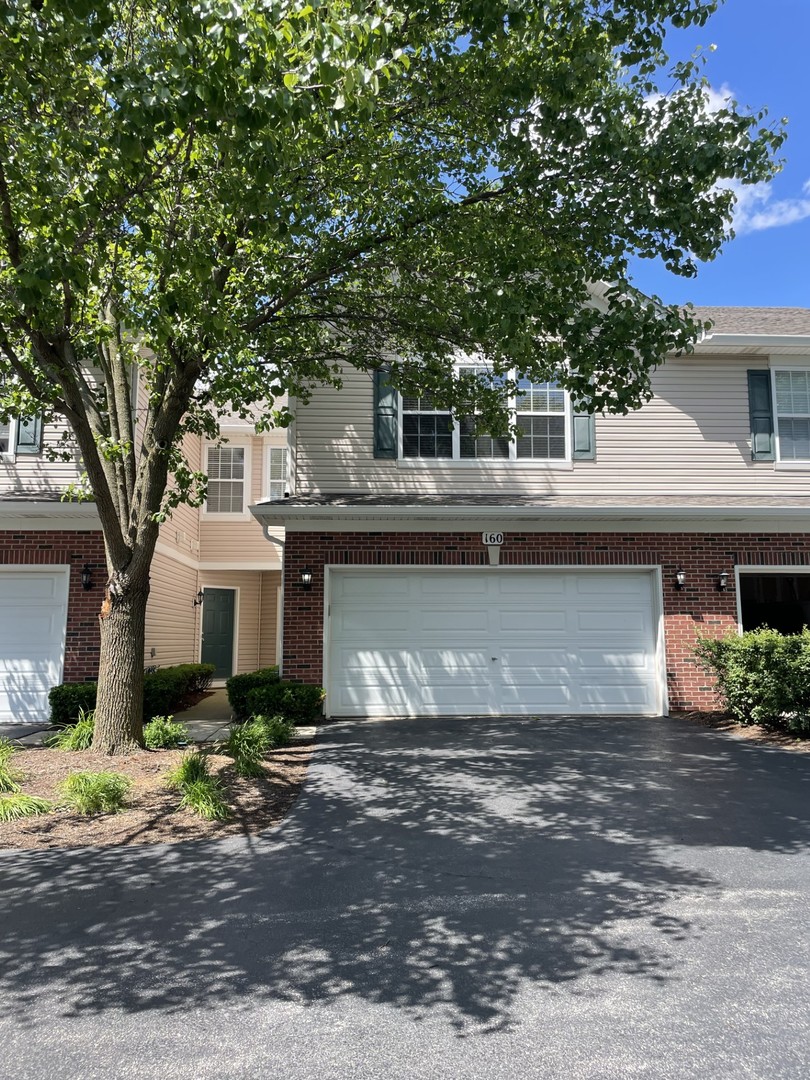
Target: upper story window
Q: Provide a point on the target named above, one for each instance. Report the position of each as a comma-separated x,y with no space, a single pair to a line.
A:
540,411
226,467
275,472
792,398
21,437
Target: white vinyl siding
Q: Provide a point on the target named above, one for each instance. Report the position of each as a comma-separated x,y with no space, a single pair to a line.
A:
692,438
792,400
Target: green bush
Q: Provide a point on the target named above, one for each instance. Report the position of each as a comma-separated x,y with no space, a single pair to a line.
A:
206,797
76,736
296,702
247,744
69,699
8,774
763,677
95,792
163,691
193,766
239,686
14,806
278,730
163,733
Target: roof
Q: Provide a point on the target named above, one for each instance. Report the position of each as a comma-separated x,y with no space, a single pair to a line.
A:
785,321
350,500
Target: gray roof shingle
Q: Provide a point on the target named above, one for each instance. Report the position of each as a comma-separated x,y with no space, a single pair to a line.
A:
757,320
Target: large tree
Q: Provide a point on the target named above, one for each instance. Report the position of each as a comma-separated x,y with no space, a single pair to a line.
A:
235,198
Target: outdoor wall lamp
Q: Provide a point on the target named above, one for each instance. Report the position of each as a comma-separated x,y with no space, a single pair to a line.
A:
198,599
722,581
306,579
87,577
680,578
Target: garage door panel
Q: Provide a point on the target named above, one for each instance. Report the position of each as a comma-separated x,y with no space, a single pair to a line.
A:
33,615
489,641
533,621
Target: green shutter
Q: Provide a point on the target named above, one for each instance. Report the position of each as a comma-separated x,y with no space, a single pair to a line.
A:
760,407
584,448
385,416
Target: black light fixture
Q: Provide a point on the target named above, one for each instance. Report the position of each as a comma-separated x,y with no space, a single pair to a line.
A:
87,577
722,581
306,579
680,578
198,599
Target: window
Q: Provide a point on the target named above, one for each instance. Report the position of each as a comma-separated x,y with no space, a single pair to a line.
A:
226,470
792,397
275,476
540,411
427,432
21,436
778,600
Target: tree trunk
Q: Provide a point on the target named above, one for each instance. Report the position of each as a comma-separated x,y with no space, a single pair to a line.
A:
119,703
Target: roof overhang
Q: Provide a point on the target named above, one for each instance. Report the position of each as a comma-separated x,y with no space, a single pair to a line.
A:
29,514
569,518
755,344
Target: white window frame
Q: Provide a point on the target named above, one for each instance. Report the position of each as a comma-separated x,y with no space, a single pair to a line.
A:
13,434
269,449
234,444
782,367
456,461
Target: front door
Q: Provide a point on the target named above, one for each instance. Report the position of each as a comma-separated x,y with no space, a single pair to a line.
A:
217,631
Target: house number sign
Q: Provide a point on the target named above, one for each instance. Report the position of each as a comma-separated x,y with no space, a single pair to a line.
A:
492,538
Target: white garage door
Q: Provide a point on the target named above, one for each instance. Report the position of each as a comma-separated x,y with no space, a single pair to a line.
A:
491,641
33,618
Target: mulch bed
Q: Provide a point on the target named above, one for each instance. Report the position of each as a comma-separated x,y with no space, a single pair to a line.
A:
750,732
151,815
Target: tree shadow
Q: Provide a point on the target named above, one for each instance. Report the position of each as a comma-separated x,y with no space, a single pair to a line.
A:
435,866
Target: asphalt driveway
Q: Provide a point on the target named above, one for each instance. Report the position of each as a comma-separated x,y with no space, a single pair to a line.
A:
605,898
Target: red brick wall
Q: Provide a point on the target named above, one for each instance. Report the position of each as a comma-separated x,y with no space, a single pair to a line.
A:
698,609
74,549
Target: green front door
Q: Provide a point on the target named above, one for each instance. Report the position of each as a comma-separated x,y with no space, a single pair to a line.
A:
217,631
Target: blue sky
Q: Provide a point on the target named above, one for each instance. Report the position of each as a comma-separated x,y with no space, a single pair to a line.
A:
762,58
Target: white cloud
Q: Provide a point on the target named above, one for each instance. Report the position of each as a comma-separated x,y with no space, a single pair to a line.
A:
756,209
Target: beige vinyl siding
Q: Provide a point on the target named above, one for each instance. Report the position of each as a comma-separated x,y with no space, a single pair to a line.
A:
234,542
692,438
34,472
172,623
251,621
181,529
268,642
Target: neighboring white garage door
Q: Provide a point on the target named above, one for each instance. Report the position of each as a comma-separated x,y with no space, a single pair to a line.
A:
485,642
33,619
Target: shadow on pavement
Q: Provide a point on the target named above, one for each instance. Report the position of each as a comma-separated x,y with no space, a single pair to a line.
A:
435,866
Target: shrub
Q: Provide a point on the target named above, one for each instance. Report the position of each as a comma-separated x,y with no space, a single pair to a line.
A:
8,774
77,736
69,699
239,686
297,702
162,733
206,797
95,792
247,744
16,806
279,731
163,690
193,766
763,677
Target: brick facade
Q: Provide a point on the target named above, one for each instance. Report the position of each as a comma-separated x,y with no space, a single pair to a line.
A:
74,549
698,609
